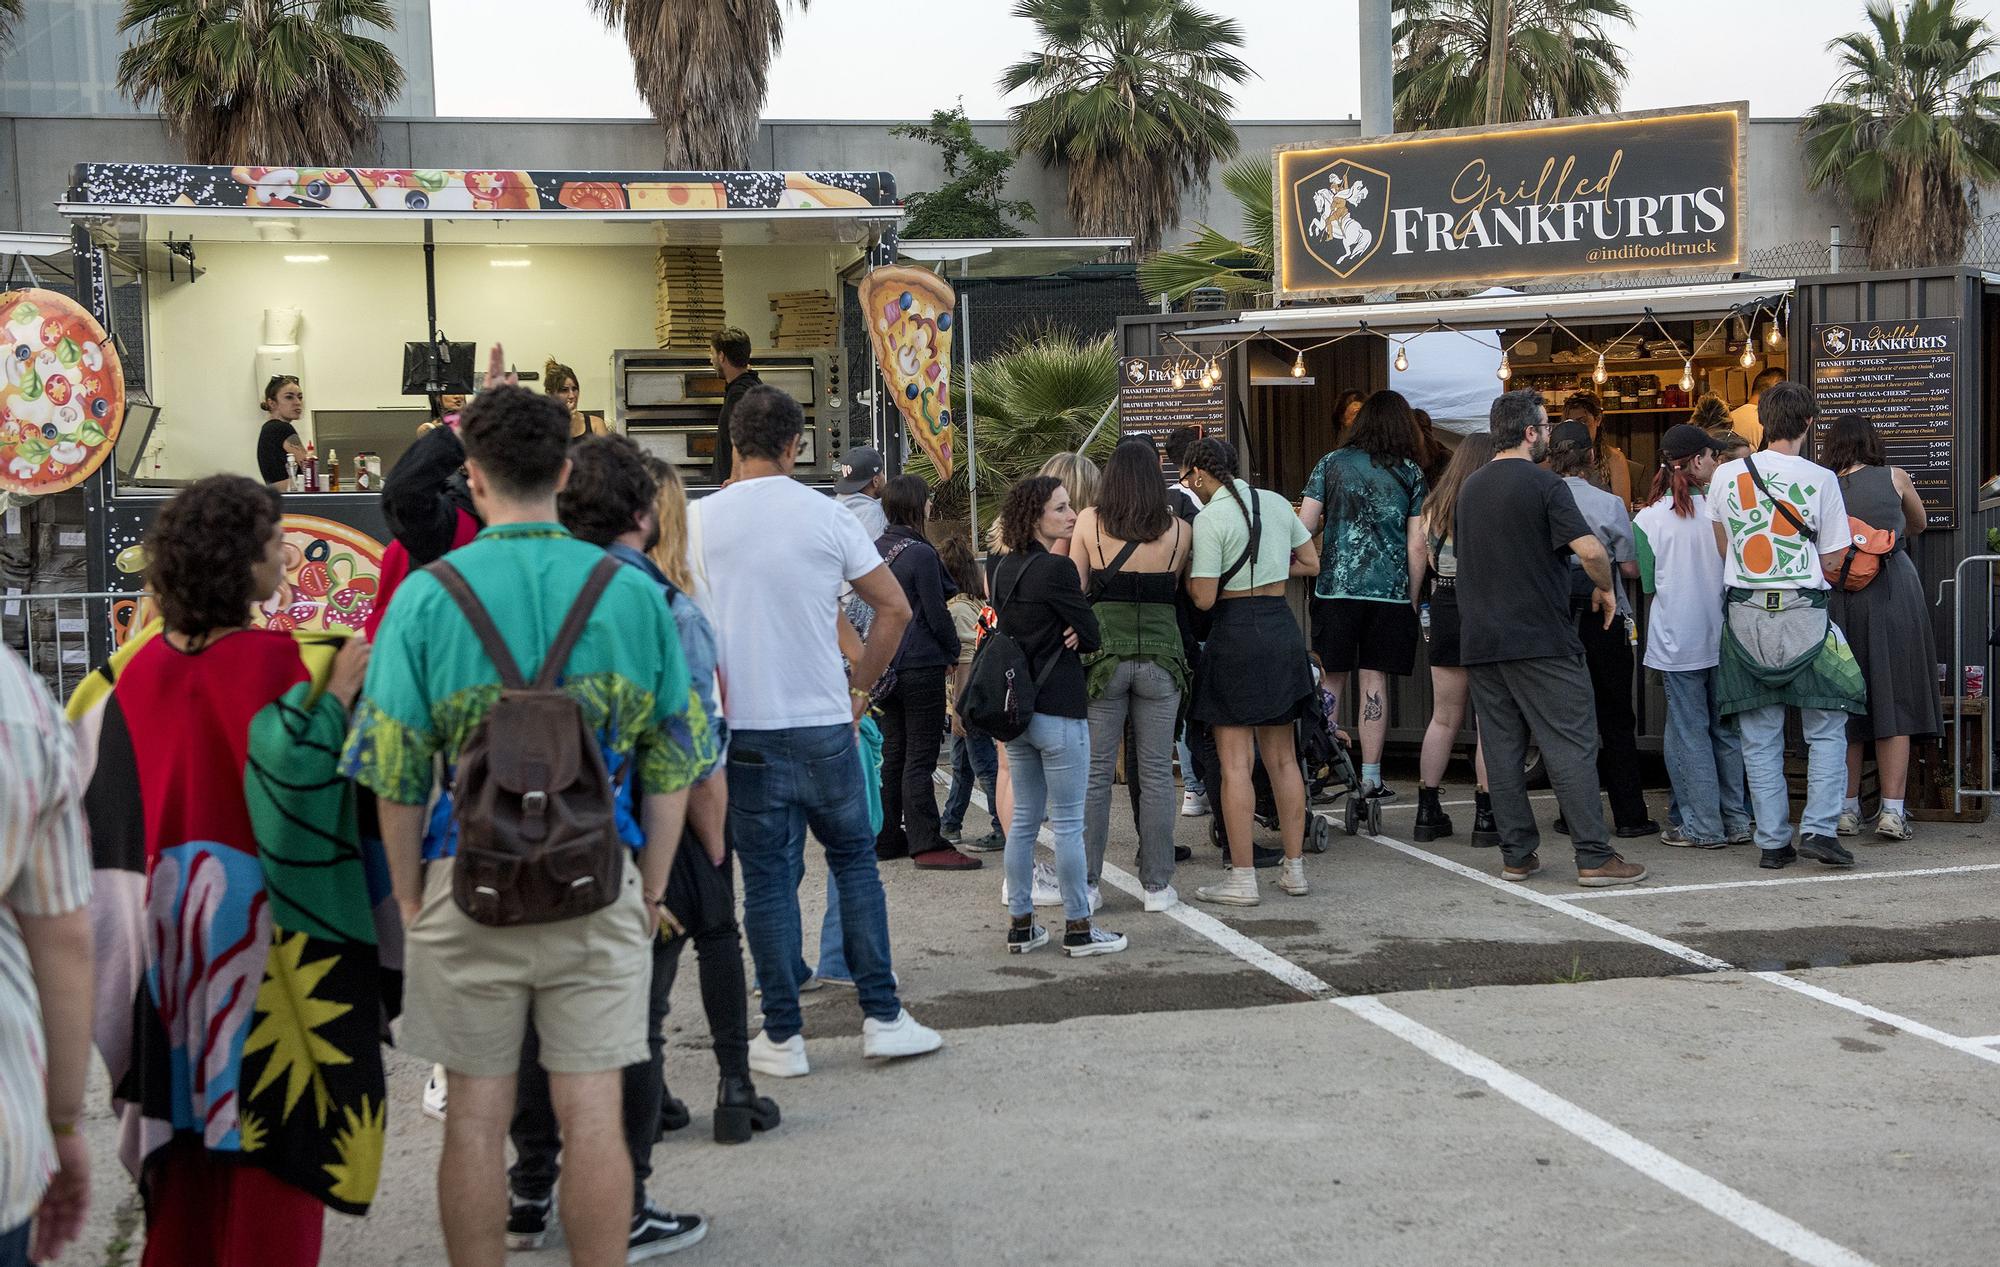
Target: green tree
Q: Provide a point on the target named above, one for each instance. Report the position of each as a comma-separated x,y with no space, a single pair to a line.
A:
262,81
1236,267
1132,96
10,13
969,204
1560,60
1040,394
1912,123
702,67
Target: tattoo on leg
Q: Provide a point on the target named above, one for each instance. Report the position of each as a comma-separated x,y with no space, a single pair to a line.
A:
1371,708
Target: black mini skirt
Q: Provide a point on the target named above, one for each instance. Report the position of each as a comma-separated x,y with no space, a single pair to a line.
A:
1255,670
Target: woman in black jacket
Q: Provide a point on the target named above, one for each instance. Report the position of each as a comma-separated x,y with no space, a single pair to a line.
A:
912,712
1042,608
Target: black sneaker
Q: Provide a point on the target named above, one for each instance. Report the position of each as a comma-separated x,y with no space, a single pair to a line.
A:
656,1232
1827,850
528,1222
1380,794
1022,938
674,1114
1633,831
1777,859
1079,943
1262,857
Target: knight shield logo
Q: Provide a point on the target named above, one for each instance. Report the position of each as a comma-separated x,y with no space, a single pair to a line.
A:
1835,339
1342,209
1135,373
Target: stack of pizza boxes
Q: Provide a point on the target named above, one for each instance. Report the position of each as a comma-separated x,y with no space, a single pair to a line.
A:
688,303
805,319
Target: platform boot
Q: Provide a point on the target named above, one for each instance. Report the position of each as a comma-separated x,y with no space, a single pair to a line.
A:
739,1110
1432,822
1485,831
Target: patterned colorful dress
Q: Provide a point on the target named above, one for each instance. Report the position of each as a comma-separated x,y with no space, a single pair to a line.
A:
240,1006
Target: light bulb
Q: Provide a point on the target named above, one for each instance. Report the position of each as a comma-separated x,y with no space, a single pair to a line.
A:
1506,370
1749,358
1687,375
1299,366
1180,379
1599,374
1645,352
1771,336
1402,359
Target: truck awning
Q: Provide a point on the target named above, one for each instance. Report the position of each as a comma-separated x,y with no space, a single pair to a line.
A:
1499,312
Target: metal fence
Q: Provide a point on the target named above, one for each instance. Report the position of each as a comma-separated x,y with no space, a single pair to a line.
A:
64,636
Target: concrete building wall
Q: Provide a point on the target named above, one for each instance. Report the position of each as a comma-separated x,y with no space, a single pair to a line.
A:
37,152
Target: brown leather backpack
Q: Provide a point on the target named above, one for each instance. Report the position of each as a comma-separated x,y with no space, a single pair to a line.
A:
536,810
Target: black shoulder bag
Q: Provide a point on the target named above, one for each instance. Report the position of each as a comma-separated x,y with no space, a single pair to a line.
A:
1000,689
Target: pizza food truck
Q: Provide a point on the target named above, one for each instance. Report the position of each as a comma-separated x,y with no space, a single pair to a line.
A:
1602,255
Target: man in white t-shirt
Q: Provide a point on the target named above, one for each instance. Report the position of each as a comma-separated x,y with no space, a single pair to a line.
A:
1775,514
772,556
1744,419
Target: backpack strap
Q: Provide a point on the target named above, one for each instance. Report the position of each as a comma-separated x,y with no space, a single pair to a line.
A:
573,624
1782,506
1250,550
481,621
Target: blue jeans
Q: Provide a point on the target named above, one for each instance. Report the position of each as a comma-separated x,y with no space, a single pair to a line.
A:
1190,776
1764,762
780,783
1704,760
1050,764
972,758
14,1246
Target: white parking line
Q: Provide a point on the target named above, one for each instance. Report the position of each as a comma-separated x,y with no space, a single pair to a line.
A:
1841,877
1693,956
1711,1194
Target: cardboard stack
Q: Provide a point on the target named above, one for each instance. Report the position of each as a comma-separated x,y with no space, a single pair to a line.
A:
806,319
688,307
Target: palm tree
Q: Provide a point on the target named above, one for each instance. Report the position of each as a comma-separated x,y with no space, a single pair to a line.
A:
262,81
1912,122
1040,394
1559,61
1133,96
701,66
1214,259
10,13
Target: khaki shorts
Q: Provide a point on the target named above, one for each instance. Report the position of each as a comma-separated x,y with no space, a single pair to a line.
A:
469,990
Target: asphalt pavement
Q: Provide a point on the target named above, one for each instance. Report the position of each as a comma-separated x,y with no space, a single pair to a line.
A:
1417,1063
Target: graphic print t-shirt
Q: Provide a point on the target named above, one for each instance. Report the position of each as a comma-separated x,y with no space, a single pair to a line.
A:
1363,547
1766,549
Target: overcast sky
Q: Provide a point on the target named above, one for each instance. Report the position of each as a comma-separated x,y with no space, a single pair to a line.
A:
533,58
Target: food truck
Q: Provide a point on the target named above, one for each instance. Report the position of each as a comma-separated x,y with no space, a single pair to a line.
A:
345,278
1603,255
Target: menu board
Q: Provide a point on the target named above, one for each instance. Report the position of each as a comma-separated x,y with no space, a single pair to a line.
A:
1898,374
1150,405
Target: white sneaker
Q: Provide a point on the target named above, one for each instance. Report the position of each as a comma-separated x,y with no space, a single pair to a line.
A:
1292,877
434,1093
1194,805
1162,899
1092,941
888,1040
1048,890
779,1060
1238,888
1849,825
1096,899
1890,825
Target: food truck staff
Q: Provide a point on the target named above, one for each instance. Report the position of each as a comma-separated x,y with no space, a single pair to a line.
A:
284,405
731,351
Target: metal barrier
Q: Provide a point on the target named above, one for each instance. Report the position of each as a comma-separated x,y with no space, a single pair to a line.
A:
64,636
1957,686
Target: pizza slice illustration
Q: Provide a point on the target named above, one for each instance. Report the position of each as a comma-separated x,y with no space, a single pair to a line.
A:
909,312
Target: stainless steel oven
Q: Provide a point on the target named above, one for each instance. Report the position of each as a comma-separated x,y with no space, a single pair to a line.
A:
668,401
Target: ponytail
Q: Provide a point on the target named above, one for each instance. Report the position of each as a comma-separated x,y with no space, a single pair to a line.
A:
1673,476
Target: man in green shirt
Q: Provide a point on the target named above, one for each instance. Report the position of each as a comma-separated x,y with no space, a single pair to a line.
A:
470,988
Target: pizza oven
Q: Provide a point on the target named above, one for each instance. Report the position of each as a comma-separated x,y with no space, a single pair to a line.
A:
667,401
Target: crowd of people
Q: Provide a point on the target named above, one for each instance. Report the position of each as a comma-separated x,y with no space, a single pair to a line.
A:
586,706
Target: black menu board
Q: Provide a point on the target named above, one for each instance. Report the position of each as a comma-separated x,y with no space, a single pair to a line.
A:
1149,403
1898,374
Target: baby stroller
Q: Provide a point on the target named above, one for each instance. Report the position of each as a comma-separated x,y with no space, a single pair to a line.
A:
1330,776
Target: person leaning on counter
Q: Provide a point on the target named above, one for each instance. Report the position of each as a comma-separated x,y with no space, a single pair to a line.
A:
731,353
284,405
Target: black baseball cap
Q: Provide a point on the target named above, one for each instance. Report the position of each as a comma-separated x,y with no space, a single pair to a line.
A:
1569,436
1684,440
857,467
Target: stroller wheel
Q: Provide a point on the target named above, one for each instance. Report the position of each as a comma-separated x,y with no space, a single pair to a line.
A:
1215,831
1316,838
1350,815
1374,818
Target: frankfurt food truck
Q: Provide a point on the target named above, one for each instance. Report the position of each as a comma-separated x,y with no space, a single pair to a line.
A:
374,287
1406,262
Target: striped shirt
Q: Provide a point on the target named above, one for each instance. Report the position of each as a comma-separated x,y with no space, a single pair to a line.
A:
44,870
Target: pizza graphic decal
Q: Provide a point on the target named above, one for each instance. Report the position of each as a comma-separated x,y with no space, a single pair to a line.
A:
909,312
62,399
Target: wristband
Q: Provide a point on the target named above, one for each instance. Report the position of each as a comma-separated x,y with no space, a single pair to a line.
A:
62,1130
861,693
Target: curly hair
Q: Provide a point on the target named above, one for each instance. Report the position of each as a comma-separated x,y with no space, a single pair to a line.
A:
1023,510
608,489
1711,414
202,548
518,438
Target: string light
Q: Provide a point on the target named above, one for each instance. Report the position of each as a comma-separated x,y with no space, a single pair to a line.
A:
1402,359
1599,374
1180,378
1687,375
1749,358
1771,336
1299,366
1506,370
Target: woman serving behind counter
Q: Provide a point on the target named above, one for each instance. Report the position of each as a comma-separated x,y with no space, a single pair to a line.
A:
284,405
559,380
